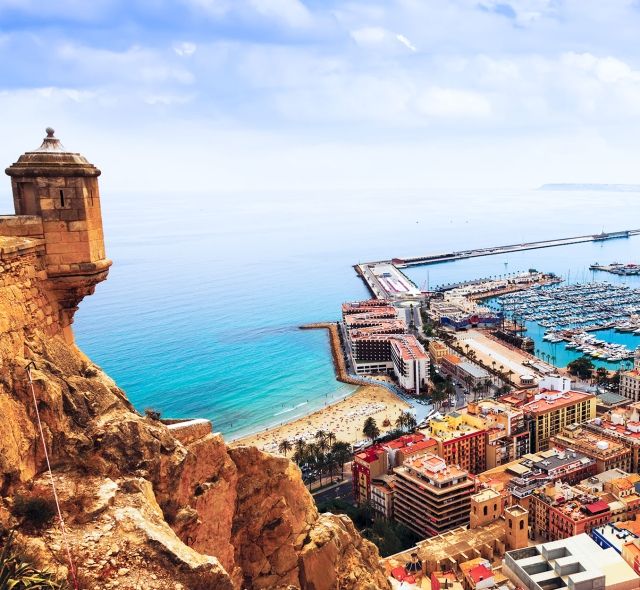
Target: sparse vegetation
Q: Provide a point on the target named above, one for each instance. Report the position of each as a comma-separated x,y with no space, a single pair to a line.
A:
16,573
152,414
390,537
35,511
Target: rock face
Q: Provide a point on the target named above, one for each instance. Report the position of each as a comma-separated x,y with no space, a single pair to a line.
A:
147,507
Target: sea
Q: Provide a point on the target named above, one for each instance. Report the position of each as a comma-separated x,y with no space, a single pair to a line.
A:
200,314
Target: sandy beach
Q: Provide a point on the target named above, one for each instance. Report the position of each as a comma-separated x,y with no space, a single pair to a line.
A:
344,418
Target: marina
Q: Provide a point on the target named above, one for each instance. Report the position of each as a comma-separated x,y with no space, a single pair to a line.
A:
569,313
616,268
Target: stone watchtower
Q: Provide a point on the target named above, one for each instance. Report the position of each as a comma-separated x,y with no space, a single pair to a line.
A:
60,189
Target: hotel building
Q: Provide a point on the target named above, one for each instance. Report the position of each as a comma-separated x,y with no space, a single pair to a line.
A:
431,497
552,409
410,363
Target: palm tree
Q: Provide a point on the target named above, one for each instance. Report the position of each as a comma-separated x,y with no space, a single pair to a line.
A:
331,438
370,429
321,441
285,446
510,374
300,452
314,458
401,420
342,453
410,421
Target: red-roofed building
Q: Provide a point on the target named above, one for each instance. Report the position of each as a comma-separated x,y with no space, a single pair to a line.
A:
561,511
366,466
480,577
406,446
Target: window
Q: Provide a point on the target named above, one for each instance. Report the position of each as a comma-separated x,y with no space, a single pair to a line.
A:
485,511
521,524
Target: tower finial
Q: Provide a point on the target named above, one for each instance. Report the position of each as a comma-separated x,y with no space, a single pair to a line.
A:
50,131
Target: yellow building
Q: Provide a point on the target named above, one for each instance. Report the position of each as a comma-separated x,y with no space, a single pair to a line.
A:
437,350
552,410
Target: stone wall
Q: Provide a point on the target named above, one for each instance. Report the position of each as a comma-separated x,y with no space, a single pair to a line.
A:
26,304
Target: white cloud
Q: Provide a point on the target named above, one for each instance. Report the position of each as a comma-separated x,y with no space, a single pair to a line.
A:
185,49
292,12
449,102
369,35
406,42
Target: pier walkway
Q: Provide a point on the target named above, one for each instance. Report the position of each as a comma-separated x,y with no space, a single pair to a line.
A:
445,257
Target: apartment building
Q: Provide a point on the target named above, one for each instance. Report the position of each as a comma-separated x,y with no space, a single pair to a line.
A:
608,454
553,409
431,497
460,441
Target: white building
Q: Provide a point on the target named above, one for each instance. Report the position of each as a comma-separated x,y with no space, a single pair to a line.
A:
410,363
576,563
630,380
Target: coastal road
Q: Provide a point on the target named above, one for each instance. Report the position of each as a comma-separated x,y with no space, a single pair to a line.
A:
343,490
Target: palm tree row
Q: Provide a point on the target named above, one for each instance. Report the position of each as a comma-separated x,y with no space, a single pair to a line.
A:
323,456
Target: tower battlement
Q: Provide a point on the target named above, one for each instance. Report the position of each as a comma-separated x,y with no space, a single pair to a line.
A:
57,205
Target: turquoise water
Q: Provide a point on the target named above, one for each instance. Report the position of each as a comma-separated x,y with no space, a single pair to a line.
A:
200,314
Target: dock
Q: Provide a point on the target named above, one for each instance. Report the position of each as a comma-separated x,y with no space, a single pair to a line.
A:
476,252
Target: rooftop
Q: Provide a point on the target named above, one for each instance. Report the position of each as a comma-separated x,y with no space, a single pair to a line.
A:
433,467
553,400
576,560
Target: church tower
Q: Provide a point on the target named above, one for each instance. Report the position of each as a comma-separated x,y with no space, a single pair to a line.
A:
517,529
61,189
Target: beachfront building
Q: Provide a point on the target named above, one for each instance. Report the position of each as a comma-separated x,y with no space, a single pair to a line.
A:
608,454
576,563
410,363
460,441
554,408
431,497
370,353
559,511
507,433
366,466
622,425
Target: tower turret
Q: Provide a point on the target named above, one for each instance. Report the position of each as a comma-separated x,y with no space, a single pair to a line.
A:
61,188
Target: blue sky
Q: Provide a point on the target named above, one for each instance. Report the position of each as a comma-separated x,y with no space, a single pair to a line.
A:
273,94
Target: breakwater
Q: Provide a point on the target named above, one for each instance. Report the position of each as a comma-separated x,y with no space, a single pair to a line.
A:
337,354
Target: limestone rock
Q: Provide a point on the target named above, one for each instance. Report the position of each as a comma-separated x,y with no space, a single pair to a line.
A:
145,510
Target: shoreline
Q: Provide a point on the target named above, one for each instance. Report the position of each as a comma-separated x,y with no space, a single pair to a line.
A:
345,418
341,416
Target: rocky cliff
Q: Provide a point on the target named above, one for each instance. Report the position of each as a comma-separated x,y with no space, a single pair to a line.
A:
146,505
